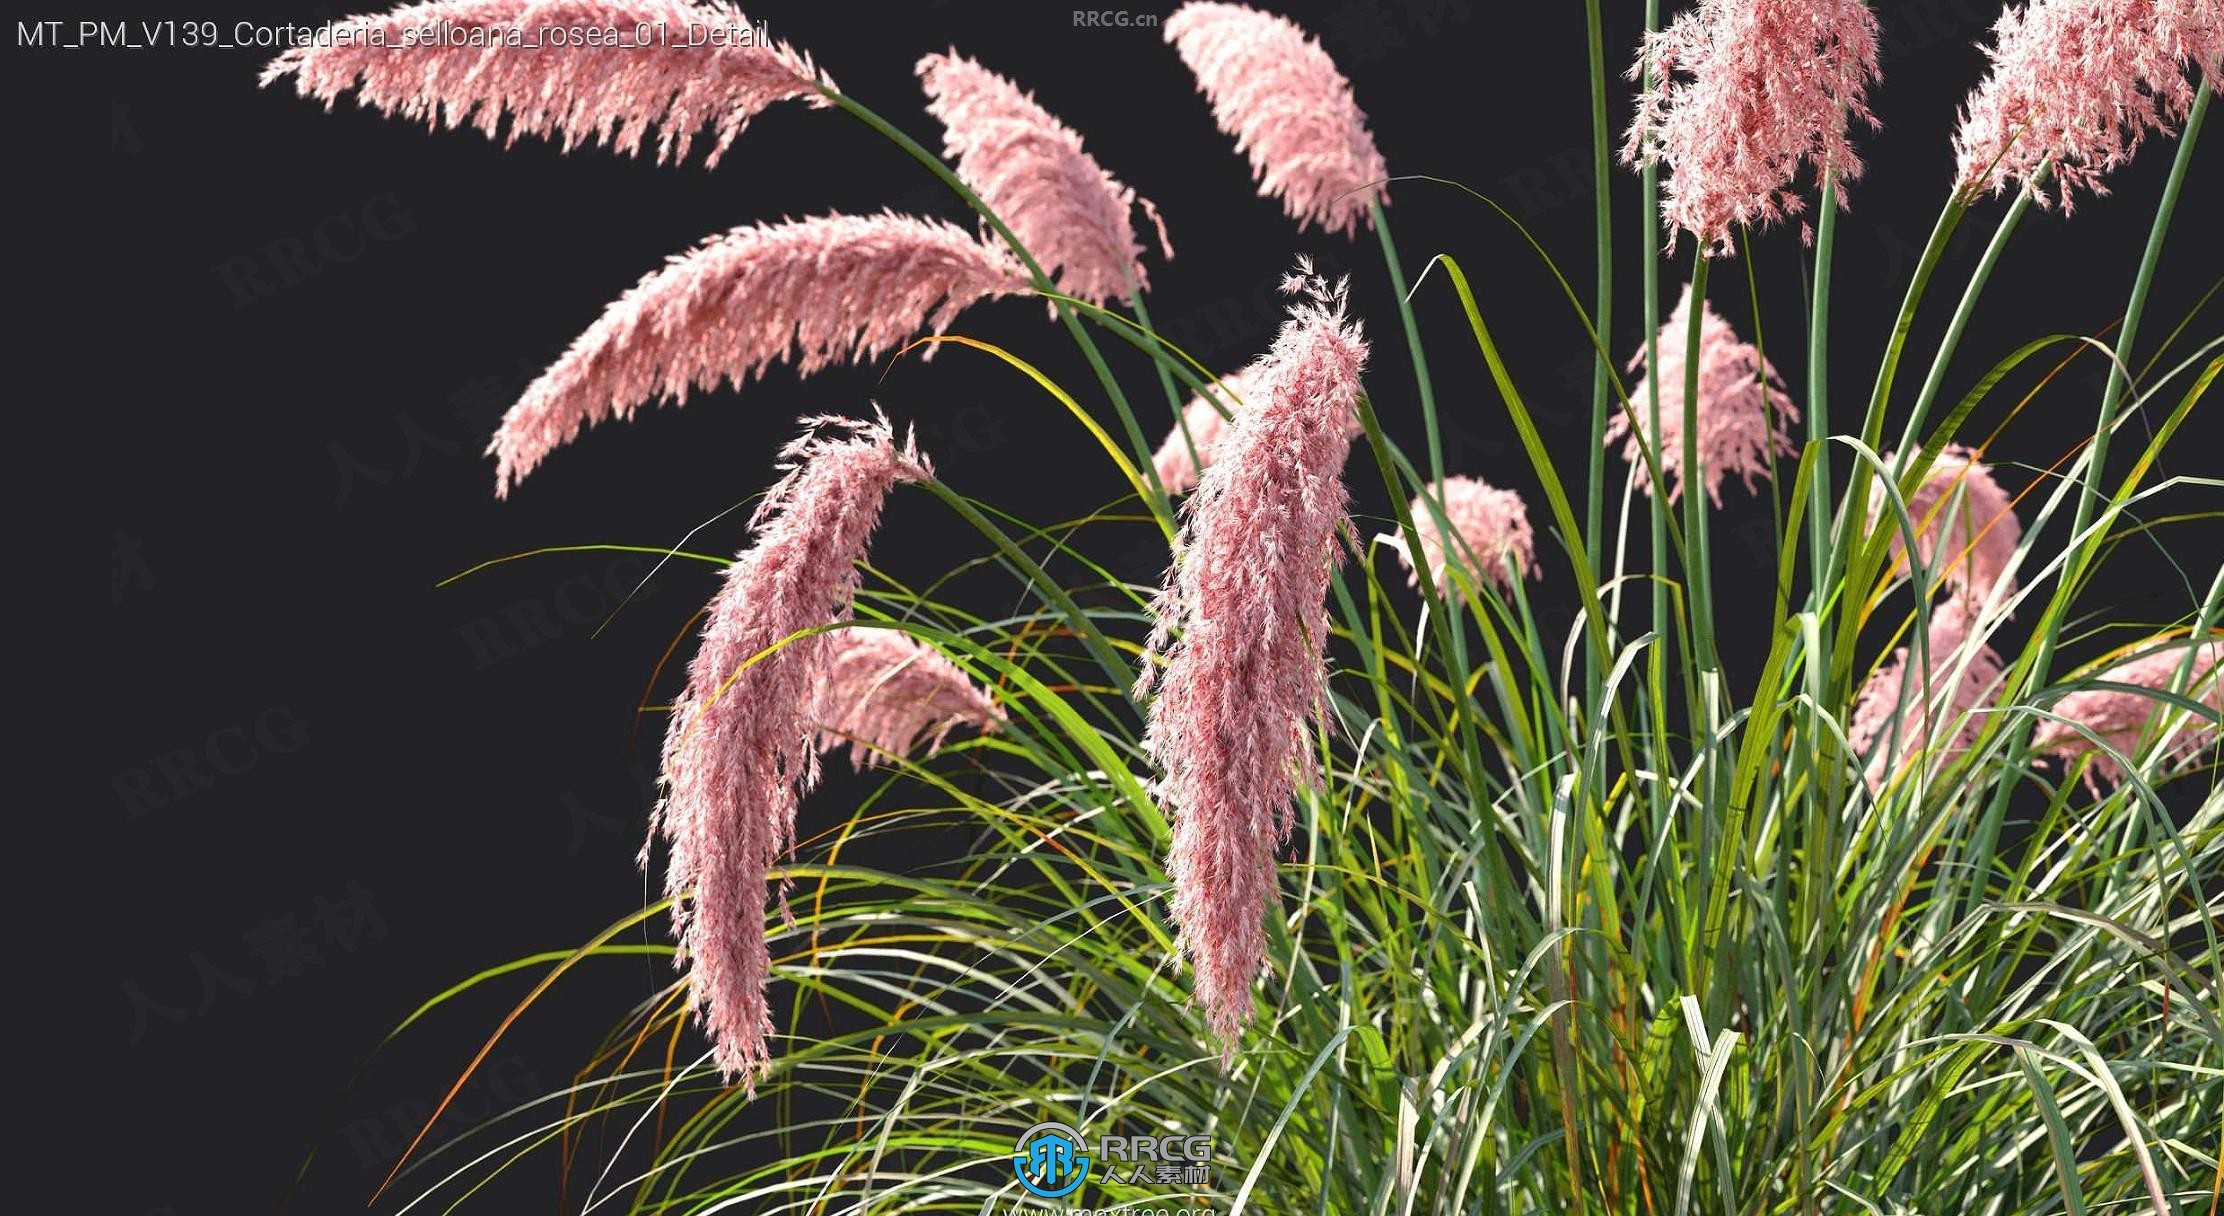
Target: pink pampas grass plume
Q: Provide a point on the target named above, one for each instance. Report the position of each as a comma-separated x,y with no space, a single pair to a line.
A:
885,692
2124,719
1490,527
1965,525
1245,674
1744,412
1274,89
1205,429
741,747
1744,94
1944,724
471,62
1032,172
819,291
2077,85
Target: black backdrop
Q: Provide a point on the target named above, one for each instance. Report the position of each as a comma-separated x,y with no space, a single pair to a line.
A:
318,789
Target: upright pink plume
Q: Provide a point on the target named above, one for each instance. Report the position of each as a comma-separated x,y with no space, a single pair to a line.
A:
1490,529
2077,85
1274,89
1745,93
819,291
1744,412
1965,525
1033,173
2123,720
1245,675
471,62
1197,438
1939,714
883,692
741,747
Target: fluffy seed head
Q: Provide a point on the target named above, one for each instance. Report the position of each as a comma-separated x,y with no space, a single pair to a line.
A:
819,291
1938,717
1179,455
1278,93
2077,85
1033,172
1745,93
497,58
1490,528
1744,412
740,749
884,692
1245,673
1965,525
2123,720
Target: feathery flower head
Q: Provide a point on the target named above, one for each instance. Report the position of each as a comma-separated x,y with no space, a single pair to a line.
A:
1964,523
2077,85
2122,719
1206,429
1940,721
1247,611
1274,89
884,691
819,291
1744,412
1033,172
493,58
1490,527
1744,93
740,750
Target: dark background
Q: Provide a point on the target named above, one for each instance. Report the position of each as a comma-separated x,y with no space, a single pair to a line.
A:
316,790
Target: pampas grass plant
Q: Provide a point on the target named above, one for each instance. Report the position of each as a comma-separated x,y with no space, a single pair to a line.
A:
1564,921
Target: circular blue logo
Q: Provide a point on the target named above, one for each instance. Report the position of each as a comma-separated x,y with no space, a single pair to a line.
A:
1051,1160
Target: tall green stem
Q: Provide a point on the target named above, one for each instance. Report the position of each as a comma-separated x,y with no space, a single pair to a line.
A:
1818,399
2118,367
1693,482
1412,341
1603,310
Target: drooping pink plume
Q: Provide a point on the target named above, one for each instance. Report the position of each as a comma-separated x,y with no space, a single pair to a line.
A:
1274,89
2124,720
1245,675
1490,527
475,62
1176,461
1744,412
1965,525
1033,173
1744,94
2078,85
741,748
819,291
1939,714
884,692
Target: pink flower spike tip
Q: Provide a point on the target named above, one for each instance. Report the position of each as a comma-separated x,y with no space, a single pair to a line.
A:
1743,95
2125,720
1966,528
820,291
2077,85
741,748
1939,716
1744,413
1290,110
1245,677
885,693
1032,171
1491,536
529,61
